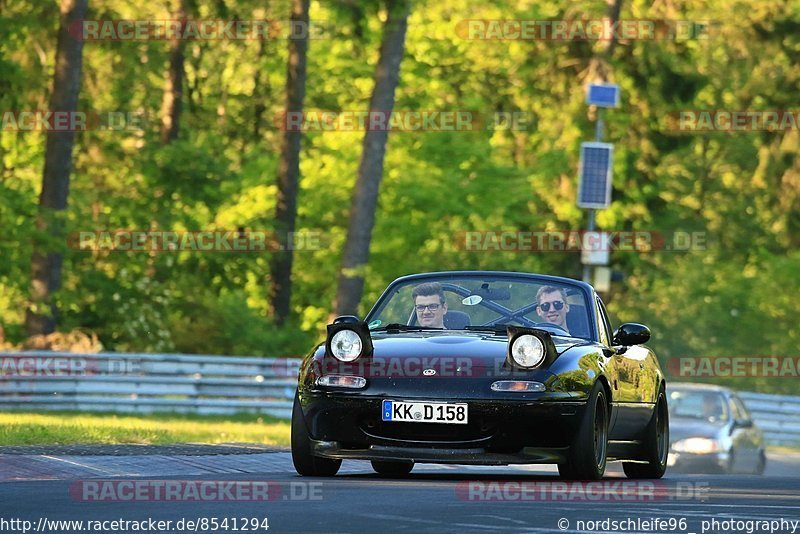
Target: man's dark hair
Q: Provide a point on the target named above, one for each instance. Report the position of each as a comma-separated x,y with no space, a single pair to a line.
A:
427,289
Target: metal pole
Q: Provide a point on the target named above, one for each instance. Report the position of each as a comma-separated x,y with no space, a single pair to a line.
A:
598,127
598,137
587,269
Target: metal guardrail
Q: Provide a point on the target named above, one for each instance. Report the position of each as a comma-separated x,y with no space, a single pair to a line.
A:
777,415
145,383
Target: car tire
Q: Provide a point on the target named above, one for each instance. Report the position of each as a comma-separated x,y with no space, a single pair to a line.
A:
392,469
589,462
730,466
305,463
656,444
761,466
565,471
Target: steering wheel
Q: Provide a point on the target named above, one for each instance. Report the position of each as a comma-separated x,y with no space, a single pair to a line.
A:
552,325
503,321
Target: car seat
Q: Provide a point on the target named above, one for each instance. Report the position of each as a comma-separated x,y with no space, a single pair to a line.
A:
456,320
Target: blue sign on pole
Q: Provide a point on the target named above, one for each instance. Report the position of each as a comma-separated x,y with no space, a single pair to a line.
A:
605,95
594,175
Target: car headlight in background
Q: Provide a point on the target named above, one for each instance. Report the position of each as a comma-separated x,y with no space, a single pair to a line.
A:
696,445
527,351
346,345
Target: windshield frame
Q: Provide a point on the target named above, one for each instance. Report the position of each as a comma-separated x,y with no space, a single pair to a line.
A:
727,414
583,288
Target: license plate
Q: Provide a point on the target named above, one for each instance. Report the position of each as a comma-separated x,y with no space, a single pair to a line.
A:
424,412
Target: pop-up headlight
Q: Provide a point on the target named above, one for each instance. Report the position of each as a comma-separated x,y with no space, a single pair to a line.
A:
530,348
348,339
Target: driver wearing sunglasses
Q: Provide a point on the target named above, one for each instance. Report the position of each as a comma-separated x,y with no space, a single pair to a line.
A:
552,306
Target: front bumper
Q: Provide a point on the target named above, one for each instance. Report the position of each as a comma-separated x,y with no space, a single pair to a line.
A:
717,462
441,454
499,431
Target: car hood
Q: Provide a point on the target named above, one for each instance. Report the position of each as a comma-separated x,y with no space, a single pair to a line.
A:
684,427
455,364
470,350
452,343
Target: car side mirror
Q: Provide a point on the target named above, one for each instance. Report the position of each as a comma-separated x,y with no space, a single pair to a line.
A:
631,334
744,423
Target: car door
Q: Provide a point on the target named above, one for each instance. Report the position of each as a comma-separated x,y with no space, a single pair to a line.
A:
604,335
623,371
745,436
624,366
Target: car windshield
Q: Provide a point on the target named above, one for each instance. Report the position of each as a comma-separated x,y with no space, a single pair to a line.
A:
484,302
698,404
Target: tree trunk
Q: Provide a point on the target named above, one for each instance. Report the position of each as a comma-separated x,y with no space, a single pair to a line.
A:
46,261
171,103
599,67
261,91
370,170
289,172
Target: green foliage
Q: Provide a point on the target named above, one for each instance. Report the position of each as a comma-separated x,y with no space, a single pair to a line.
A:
226,324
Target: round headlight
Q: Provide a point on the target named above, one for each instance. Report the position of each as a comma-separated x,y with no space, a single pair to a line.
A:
696,445
527,351
346,345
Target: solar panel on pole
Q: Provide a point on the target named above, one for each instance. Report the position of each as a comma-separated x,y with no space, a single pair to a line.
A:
604,95
594,175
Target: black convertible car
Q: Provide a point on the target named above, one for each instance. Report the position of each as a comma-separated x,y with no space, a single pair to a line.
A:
482,367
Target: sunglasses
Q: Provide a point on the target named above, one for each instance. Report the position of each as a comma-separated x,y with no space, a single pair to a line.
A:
558,305
431,307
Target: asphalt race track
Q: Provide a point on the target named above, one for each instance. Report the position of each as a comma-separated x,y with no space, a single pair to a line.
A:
246,485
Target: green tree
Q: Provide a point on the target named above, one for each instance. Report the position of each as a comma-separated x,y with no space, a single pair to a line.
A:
289,169
370,170
47,259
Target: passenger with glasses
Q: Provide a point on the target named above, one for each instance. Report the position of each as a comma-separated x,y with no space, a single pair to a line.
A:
552,306
429,305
